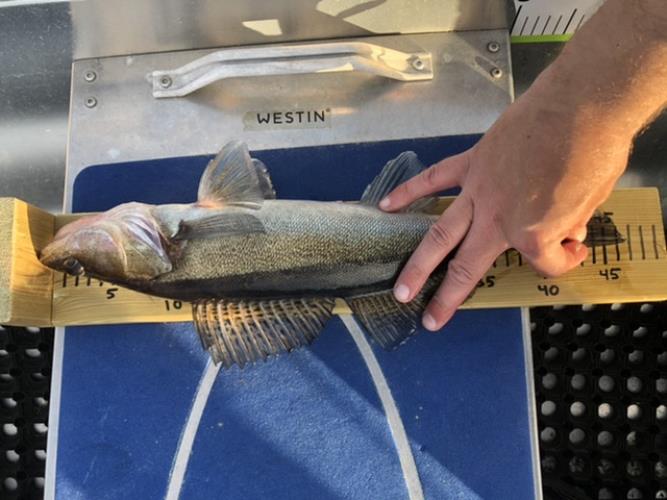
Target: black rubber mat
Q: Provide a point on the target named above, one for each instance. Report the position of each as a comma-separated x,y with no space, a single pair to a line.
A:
601,387
25,378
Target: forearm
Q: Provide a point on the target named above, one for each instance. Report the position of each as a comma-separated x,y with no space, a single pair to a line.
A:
613,74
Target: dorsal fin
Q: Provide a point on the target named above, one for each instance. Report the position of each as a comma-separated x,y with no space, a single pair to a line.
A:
233,178
402,168
238,332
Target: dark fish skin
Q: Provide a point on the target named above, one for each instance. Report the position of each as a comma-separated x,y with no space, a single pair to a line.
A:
308,249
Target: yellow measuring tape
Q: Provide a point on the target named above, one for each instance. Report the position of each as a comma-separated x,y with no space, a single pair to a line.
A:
634,270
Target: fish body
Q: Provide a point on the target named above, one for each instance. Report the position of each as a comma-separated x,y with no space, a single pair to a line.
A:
306,248
262,273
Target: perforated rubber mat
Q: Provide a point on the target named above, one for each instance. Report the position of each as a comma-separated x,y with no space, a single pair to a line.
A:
601,386
25,378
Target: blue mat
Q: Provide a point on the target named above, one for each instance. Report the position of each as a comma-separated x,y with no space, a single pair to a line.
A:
302,426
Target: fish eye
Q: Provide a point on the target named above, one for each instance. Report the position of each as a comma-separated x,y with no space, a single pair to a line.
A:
73,266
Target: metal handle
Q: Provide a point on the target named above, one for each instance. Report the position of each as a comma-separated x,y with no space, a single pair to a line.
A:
292,60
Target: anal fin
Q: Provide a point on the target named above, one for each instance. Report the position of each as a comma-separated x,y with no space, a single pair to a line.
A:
243,331
388,321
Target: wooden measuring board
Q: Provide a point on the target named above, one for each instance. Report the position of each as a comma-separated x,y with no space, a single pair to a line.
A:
632,271
549,20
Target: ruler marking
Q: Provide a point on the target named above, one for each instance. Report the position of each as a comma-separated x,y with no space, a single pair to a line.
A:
76,280
655,242
494,263
507,258
594,255
641,242
553,32
546,24
580,22
618,250
89,281
532,32
515,18
523,27
627,230
520,259
604,248
64,280
574,12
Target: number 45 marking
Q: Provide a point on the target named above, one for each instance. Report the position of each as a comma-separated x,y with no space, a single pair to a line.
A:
611,274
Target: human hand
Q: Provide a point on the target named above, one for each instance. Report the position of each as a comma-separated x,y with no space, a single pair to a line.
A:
531,183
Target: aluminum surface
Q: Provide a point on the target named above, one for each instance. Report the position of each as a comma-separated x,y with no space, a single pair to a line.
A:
328,57
127,123
121,27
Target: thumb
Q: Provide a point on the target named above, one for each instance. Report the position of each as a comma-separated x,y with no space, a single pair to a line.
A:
560,258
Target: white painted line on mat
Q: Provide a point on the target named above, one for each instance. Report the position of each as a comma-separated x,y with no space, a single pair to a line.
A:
405,456
54,414
187,439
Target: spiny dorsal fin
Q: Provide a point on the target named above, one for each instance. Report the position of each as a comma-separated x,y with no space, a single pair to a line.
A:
233,178
389,322
402,168
224,223
243,331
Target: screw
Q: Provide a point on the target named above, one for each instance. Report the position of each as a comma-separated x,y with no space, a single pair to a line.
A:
496,72
493,47
90,76
418,64
165,82
91,102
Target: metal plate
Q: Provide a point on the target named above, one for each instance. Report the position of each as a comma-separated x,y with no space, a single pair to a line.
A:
103,29
115,118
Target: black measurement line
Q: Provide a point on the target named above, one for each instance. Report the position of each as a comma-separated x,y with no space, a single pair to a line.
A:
507,258
532,32
655,242
574,12
618,250
520,259
594,254
64,280
627,230
515,18
580,21
546,24
76,281
101,283
494,263
605,260
523,27
641,242
89,281
553,32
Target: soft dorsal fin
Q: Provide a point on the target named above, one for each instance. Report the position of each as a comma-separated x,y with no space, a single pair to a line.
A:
405,166
233,178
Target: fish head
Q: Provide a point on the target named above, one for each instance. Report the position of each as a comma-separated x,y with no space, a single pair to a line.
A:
124,244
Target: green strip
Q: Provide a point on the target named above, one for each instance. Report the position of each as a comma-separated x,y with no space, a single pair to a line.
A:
540,38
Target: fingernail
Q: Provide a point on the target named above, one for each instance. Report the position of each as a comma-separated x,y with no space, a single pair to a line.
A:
429,322
402,293
385,203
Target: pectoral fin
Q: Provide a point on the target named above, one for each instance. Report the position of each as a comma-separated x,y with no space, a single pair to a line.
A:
227,224
244,331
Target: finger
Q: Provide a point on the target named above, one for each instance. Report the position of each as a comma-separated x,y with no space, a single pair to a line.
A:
439,241
473,259
559,258
443,175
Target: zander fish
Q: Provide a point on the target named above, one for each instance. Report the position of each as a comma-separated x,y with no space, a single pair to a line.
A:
262,274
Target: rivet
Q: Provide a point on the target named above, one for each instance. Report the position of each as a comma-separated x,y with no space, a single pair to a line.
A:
90,76
493,47
418,64
165,82
496,72
91,102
